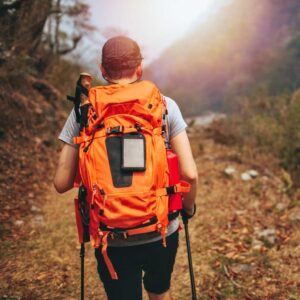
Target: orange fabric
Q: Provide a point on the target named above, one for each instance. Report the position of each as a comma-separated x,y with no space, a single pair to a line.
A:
181,187
102,133
124,207
125,105
108,263
142,230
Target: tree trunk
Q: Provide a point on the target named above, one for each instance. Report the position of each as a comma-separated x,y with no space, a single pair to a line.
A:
31,19
57,25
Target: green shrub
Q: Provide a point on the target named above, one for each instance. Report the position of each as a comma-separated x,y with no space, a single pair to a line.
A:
270,124
291,135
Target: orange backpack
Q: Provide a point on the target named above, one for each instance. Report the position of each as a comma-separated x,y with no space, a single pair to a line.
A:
123,163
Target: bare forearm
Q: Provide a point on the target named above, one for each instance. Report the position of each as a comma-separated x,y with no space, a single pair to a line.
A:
66,169
190,197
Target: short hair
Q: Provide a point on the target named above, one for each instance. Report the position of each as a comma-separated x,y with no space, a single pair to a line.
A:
120,57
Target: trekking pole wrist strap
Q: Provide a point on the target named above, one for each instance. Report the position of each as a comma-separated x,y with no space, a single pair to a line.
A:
185,215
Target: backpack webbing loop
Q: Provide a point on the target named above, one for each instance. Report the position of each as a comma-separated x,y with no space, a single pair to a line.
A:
181,187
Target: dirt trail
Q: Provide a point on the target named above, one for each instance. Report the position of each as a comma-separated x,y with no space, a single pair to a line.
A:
232,257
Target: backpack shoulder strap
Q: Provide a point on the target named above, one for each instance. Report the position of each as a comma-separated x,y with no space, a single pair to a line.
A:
165,122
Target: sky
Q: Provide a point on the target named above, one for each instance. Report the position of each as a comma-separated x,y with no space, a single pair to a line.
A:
154,24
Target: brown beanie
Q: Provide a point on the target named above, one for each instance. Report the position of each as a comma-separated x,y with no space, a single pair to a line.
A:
120,53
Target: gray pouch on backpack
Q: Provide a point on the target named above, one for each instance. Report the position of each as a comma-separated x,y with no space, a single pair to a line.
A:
133,152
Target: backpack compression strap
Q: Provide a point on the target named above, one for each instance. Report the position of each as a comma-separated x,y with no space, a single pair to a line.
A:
102,132
108,262
181,187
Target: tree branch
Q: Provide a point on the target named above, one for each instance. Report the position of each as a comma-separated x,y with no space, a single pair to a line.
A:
67,50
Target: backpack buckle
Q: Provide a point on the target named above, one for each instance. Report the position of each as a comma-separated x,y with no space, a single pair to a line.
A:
171,190
138,127
114,130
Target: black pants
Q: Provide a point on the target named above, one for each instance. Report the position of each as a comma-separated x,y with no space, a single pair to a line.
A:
154,259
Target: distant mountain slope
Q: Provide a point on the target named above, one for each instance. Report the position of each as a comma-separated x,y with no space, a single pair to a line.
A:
226,56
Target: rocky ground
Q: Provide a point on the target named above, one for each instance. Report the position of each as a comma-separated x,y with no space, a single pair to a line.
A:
244,237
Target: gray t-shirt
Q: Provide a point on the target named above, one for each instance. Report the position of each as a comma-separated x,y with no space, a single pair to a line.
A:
176,124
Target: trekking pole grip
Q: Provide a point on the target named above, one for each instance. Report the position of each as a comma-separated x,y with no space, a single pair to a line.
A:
185,216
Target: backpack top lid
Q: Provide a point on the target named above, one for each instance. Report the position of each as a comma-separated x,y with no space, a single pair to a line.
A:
142,99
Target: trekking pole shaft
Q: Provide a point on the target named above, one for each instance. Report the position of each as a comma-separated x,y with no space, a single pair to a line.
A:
82,254
188,246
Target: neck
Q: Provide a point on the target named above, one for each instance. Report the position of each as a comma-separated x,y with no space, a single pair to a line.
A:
123,80
126,81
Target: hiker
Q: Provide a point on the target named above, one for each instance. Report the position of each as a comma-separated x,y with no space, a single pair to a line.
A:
122,65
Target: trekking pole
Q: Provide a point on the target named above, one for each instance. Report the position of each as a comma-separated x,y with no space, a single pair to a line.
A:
82,254
185,219
82,221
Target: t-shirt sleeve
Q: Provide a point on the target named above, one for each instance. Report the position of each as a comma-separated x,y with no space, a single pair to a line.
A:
70,129
176,123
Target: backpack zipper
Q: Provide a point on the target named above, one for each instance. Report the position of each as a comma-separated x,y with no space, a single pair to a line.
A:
103,196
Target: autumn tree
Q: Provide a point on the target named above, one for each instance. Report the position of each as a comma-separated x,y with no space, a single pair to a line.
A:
57,26
22,24
68,22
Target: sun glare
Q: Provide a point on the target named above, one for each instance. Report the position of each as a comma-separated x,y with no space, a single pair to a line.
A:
156,24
